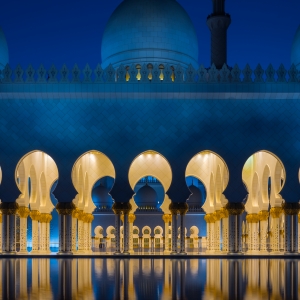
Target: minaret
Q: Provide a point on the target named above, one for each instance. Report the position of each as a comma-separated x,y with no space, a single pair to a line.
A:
218,23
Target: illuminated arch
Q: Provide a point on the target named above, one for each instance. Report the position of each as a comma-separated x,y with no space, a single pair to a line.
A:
259,168
151,163
213,172
42,171
87,170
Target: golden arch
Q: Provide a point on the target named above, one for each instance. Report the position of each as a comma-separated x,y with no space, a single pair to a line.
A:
212,170
256,172
87,170
43,173
151,163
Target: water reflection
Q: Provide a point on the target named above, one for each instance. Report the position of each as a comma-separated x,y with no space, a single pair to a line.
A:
149,278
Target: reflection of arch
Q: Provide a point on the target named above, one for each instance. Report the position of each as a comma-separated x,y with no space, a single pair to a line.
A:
40,171
260,170
212,170
151,163
87,170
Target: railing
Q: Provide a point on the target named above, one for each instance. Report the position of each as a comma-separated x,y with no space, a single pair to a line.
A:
155,74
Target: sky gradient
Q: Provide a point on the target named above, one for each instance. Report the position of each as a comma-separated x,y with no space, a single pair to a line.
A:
64,31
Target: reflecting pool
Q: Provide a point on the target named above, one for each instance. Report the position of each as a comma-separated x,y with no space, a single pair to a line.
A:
83,278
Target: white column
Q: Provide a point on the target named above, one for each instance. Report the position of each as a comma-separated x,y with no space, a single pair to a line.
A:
253,244
225,234
23,212
74,234
85,235
44,233
80,235
166,218
90,236
35,216
263,230
1,234
217,234
12,233
210,233
131,219
275,229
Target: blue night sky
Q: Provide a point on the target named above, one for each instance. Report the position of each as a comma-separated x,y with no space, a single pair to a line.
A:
65,31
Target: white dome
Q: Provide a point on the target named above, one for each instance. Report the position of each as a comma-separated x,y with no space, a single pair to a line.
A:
149,31
3,50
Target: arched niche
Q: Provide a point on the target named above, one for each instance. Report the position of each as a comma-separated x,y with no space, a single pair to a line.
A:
35,175
212,171
264,176
87,170
151,163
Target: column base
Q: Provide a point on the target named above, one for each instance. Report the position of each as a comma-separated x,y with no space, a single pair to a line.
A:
118,253
167,252
264,252
23,252
290,253
64,253
126,253
34,252
9,252
173,253
253,252
235,253
182,253
275,253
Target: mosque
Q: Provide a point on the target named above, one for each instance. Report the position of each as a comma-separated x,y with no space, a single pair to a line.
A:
150,149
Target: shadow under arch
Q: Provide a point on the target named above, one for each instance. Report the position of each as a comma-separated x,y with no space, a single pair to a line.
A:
151,163
212,171
264,176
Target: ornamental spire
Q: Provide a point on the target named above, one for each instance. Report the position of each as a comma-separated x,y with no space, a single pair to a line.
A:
218,23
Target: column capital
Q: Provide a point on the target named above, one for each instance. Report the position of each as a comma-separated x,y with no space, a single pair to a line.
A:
167,218
209,218
223,213
126,208
9,208
87,218
217,215
275,212
173,207
183,208
117,208
45,218
291,208
252,218
35,215
65,208
263,215
235,208
23,212
131,218
75,213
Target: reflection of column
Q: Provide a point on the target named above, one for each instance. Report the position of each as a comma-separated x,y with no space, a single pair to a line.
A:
45,237
23,212
35,216
291,279
210,220
131,219
275,272
275,214
8,278
263,224
23,278
234,278
183,208
234,226
291,211
117,279
174,279
253,245
182,279
117,209
224,222
126,278
174,230
167,220
65,278
9,211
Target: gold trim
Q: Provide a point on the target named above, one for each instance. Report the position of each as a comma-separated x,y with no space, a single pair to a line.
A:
35,215
275,212
23,212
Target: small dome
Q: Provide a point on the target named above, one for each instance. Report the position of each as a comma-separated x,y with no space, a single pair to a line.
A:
295,56
149,31
3,50
146,196
100,196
